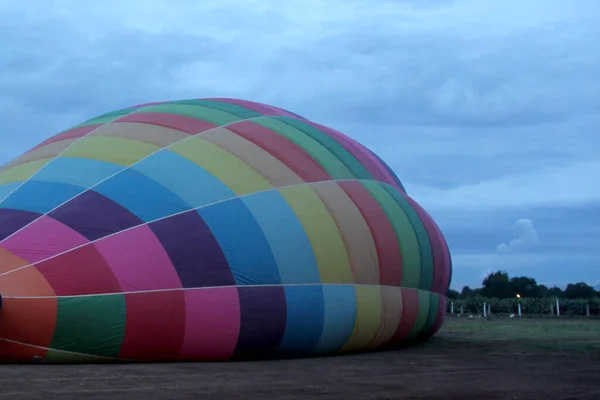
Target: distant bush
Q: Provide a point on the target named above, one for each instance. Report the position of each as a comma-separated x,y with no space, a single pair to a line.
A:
535,305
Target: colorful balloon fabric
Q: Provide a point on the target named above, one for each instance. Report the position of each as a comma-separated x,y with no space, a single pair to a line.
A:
211,229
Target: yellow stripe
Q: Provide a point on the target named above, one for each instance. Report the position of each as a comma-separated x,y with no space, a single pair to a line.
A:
390,317
322,232
229,169
23,171
368,317
114,150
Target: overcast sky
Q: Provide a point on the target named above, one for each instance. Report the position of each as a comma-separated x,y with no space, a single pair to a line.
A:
488,110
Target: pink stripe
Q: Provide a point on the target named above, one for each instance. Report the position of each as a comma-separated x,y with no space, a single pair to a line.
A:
441,260
44,238
212,324
181,123
362,154
263,109
70,134
138,260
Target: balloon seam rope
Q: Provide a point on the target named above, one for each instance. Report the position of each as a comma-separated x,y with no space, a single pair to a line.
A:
126,168
179,213
283,285
62,351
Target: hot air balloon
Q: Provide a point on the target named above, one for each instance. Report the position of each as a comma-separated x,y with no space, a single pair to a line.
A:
210,230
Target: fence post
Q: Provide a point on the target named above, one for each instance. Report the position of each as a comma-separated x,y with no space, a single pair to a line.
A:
587,310
484,310
452,308
519,309
557,307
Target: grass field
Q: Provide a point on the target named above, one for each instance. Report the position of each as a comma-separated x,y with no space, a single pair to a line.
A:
469,359
569,335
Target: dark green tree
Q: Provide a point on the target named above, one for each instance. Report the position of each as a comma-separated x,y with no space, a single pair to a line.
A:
579,290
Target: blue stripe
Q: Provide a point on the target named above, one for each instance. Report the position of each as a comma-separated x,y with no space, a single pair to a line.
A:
243,243
8,188
142,196
183,177
305,314
40,197
77,171
286,236
340,316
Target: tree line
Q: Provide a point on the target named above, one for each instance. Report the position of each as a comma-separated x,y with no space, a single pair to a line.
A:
504,293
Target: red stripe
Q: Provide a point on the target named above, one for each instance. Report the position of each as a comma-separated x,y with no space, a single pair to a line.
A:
283,149
361,153
155,326
70,134
181,123
441,261
384,236
410,312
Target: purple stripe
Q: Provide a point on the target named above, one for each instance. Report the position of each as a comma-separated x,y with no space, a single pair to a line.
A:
193,250
13,220
263,320
95,216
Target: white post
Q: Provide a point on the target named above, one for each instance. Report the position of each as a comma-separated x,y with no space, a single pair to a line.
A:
587,310
557,308
452,308
484,310
519,309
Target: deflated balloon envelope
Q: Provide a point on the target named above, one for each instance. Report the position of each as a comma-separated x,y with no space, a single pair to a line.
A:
211,229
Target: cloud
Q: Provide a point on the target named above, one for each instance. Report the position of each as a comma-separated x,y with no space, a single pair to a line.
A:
526,237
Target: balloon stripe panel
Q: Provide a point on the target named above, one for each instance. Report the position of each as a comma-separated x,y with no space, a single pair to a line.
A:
187,180
355,232
93,325
323,233
107,218
79,272
40,197
263,319
212,324
155,326
132,190
138,260
368,317
238,235
340,316
286,237
382,231
47,238
305,319
193,250
272,169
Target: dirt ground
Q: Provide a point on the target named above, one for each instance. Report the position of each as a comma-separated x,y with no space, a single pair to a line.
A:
448,367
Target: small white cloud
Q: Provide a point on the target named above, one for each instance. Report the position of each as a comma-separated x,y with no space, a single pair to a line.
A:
526,237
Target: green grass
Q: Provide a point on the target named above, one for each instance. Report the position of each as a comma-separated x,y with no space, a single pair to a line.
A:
563,335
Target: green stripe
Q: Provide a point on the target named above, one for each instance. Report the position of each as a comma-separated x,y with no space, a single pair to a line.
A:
356,168
105,118
434,301
330,163
118,113
93,325
425,251
407,239
233,109
422,316
214,116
